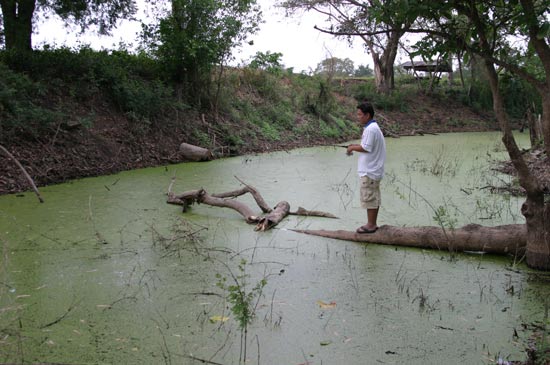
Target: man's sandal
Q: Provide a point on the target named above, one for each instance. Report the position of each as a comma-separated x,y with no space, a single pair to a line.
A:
364,229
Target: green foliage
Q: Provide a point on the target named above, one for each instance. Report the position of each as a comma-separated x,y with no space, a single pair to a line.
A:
322,103
335,66
21,108
363,71
131,82
266,85
270,62
197,36
396,100
17,17
241,300
519,96
443,163
41,90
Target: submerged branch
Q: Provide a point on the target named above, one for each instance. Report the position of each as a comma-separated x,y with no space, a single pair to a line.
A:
225,200
25,173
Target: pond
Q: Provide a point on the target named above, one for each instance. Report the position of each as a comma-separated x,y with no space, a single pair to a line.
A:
106,272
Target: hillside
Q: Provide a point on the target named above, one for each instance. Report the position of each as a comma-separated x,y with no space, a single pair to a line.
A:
108,145
94,114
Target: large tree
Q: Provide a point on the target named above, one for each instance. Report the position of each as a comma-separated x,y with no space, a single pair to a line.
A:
335,66
511,36
380,24
505,35
197,35
18,16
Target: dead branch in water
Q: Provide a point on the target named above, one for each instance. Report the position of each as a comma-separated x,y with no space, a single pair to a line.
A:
506,239
25,173
227,200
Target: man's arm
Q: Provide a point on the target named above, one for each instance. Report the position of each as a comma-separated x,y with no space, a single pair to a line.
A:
356,148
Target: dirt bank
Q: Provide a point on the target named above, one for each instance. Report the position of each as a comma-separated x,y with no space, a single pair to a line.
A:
109,145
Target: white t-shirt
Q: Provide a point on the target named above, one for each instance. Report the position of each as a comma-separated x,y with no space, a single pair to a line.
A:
371,163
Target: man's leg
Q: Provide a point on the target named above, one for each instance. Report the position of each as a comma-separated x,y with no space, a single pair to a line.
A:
372,215
370,199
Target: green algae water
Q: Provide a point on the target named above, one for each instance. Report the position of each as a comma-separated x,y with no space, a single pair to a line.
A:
106,272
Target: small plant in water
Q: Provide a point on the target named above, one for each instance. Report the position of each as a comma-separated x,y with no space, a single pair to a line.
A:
443,218
241,300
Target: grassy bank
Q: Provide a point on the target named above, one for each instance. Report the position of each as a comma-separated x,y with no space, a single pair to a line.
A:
66,113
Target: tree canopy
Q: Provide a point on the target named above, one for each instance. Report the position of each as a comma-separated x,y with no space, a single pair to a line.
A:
197,35
19,16
335,66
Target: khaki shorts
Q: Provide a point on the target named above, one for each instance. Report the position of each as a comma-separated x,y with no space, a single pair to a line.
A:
370,193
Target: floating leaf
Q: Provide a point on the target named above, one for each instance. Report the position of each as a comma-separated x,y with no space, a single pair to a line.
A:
215,319
325,343
326,305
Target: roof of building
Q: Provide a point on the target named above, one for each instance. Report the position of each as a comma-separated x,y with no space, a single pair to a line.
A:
429,66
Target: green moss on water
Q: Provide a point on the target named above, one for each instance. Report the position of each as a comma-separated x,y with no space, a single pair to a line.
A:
103,272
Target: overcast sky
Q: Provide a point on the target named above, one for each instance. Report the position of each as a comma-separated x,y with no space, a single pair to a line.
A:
302,46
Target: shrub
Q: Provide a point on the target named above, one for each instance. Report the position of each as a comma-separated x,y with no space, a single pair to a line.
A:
20,107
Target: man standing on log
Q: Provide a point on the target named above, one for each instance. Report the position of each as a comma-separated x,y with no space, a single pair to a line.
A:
370,164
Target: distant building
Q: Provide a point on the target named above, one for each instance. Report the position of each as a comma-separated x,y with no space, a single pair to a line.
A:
430,66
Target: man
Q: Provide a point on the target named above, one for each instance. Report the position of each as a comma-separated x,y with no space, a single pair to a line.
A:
370,164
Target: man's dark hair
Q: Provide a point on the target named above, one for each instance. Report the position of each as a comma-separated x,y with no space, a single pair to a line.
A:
366,108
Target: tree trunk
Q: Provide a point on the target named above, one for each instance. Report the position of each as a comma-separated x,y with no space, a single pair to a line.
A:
535,128
280,211
384,64
17,15
195,153
545,120
506,239
542,48
535,211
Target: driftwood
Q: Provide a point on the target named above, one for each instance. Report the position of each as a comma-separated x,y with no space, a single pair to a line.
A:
25,173
226,200
312,213
505,239
274,217
195,153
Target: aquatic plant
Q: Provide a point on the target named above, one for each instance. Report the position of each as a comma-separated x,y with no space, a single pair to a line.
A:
242,300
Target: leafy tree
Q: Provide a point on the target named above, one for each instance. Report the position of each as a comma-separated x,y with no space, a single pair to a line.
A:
491,30
380,24
268,61
363,71
335,66
196,36
18,16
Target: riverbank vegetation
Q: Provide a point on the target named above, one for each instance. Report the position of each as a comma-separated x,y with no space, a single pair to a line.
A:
69,113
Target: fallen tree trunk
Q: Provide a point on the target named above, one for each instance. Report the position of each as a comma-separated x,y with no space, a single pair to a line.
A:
225,200
274,217
312,213
195,153
505,239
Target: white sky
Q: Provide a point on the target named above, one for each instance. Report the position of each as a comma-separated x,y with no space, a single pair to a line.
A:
302,46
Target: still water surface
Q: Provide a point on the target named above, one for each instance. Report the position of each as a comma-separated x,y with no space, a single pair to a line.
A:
106,272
